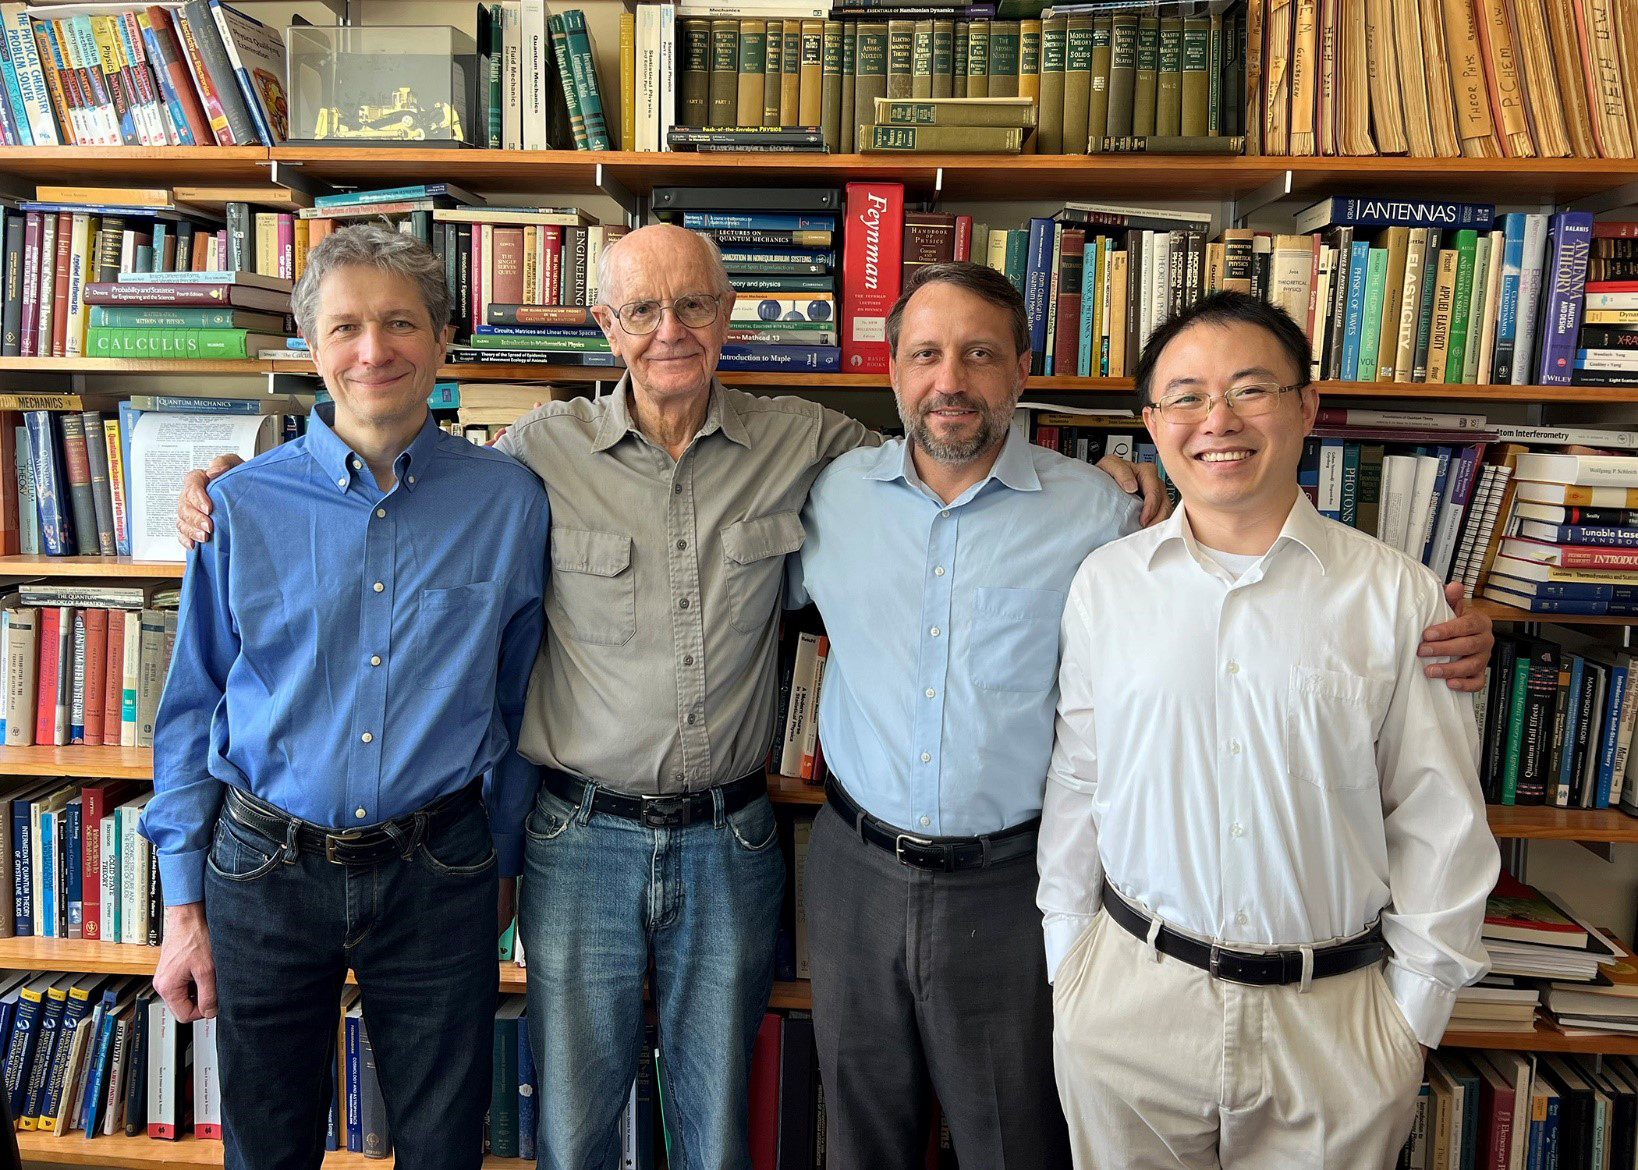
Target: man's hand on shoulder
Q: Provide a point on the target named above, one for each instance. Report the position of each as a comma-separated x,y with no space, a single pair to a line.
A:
185,976
1466,639
1139,479
193,505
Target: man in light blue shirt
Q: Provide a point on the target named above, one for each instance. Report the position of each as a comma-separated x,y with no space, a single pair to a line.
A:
940,564
352,655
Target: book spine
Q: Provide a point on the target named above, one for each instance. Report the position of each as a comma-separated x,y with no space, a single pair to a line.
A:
1566,277
873,244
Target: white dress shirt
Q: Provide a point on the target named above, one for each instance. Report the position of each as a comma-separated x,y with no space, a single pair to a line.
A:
1261,760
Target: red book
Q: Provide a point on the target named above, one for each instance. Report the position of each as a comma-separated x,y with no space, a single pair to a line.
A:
964,237
1612,286
873,241
551,280
1615,229
97,800
114,693
59,288
1066,346
31,283
506,270
1515,912
763,1124
479,298
176,69
207,87
96,673
10,536
45,690
1570,556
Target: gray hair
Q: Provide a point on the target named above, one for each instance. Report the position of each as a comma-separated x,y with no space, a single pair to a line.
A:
605,266
983,282
379,246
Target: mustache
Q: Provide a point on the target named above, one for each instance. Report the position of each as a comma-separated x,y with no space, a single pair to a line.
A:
949,402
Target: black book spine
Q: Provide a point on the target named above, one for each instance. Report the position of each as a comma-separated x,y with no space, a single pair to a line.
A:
11,316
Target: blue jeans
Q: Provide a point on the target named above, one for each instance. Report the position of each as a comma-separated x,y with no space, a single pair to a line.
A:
601,894
419,932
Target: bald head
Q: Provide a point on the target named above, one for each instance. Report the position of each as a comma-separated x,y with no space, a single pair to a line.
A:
660,247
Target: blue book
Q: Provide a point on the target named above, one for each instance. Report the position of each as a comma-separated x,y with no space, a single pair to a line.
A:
24,1039
826,358
355,1134
758,221
225,17
761,255
81,995
178,404
56,530
1566,590
97,1071
1598,535
39,1074
47,844
528,1088
1037,284
213,276
1565,281
1349,514
1440,502
14,94
118,209
400,194
73,856
167,91
444,396
22,861
128,416
1507,301
1359,256
1380,211
540,330
1609,733
1566,751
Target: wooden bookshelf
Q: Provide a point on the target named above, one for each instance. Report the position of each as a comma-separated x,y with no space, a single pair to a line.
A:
1506,613
35,565
136,165
114,763
1545,1038
794,790
47,1149
1540,823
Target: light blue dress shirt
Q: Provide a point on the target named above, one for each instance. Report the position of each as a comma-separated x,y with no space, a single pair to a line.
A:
936,710
349,656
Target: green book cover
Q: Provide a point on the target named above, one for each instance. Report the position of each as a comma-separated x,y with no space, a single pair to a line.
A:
943,58
571,92
495,48
583,60
1144,84
1196,75
1479,305
164,317
1460,310
1077,83
871,82
724,72
695,83
1097,106
1370,326
850,65
921,59
1017,259
1169,78
167,344
1424,310
978,59
1054,42
900,58
773,69
753,63
1003,58
1515,729
830,117
958,63
1123,58
1214,76
941,139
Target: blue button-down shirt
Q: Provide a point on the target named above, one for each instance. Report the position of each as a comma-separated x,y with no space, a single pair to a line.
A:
347,655
937,705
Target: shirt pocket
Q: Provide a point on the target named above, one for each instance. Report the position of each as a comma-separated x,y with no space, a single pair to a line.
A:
592,595
754,551
456,635
1014,639
1330,727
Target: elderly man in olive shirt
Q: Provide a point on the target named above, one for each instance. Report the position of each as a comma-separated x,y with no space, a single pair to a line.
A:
674,502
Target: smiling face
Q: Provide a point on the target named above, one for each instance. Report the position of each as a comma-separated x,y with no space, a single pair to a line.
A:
956,375
374,344
661,263
1233,471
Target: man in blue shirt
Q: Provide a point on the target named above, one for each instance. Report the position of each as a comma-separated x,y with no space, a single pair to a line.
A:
337,734
940,564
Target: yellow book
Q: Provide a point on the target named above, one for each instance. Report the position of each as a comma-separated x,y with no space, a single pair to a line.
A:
1501,67
628,81
790,75
773,71
1118,293
1413,90
753,49
1540,84
1567,66
724,92
1382,70
810,104
1473,122
1441,101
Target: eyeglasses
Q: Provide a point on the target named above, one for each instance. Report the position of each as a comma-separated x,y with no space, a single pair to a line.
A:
695,310
1248,401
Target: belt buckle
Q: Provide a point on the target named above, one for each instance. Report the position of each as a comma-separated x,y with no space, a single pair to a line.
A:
343,837
666,812
1215,966
898,849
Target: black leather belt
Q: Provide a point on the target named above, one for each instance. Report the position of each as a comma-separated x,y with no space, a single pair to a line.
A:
365,845
1260,969
657,812
946,854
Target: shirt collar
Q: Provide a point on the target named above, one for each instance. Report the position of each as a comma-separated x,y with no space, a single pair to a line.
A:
337,459
1303,527
720,415
1014,467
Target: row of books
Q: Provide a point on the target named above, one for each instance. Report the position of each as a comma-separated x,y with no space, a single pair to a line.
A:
538,82
198,73
1090,80
1457,78
803,651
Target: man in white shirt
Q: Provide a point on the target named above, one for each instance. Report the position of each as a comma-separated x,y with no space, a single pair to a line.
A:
1275,801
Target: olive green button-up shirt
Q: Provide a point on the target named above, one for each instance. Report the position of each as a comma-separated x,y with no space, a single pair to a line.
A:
657,672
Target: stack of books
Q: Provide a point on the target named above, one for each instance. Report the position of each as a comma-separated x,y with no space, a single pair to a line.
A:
1608,351
996,125
214,315
1532,934
1497,1003
1609,1004
779,247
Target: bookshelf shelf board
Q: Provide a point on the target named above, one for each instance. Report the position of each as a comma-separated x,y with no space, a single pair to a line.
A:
793,996
47,1149
31,565
1544,1039
1506,613
560,172
1512,180
1542,823
114,763
136,165
85,365
793,790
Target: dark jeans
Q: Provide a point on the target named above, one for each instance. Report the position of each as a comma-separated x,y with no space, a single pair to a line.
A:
418,931
922,983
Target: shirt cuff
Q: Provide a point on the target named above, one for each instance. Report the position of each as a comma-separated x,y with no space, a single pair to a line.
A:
1061,931
1427,1005
182,877
508,853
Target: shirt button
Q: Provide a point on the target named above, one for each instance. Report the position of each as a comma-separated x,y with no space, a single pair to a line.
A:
688,660
929,692
375,660
380,511
938,570
1234,747
676,489
1241,919
925,758
1234,668
412,479
378,587
934,631
1236,830
358,465
367,737
946,512
691,720
342,482
682,544
925,821
360,813
683,604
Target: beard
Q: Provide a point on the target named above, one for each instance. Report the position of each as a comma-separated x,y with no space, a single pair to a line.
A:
991,432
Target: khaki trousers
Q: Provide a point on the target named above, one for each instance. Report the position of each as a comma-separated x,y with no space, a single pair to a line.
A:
1161,1066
